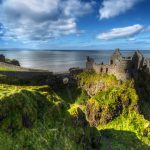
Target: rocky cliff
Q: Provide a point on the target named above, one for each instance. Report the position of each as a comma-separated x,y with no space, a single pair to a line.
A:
93,112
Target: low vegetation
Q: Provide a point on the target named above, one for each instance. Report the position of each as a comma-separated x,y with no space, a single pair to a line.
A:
6,69
74,117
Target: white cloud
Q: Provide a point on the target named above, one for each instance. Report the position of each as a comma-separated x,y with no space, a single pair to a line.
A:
131,39
120,32
112,8
77,7
42,19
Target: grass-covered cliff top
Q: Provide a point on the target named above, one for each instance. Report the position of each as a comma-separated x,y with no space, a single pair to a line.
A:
74,117
90,77
12,67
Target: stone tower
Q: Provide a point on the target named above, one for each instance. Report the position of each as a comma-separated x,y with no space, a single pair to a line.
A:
89,63
116,57
138,60
122,67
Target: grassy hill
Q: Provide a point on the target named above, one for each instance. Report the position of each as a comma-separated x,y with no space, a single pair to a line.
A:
10,67
98,112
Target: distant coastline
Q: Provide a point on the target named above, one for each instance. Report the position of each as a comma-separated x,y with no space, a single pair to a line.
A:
28,49
60,60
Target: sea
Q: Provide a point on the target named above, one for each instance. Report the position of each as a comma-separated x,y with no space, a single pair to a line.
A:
61,60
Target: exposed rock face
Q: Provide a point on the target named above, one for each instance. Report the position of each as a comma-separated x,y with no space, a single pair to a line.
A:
2,58
15,62
96,87
93,113
94,141
9,61
80,119
102,114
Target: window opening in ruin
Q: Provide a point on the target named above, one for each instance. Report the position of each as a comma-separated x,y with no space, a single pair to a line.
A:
111,62
126,70
106,70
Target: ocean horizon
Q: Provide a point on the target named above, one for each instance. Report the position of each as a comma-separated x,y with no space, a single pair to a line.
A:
62,60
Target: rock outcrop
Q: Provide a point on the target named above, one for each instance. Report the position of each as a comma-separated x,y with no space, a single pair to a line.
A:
9,61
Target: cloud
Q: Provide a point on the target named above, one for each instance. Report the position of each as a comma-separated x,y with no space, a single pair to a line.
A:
121,32
131,39
42,19
112,8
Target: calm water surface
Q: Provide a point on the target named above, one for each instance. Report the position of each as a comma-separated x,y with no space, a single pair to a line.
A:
58,61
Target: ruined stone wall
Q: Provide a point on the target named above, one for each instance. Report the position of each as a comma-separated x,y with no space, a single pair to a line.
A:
138,60
116,57
147,64
122,67
89,65
122,76
102,68
122,70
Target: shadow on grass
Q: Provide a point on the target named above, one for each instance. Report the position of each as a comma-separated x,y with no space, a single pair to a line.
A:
70,92
31,121
121,140
73,94
28,120
40,80
142,86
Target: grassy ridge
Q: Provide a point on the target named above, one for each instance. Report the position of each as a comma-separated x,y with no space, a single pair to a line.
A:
118,108
37,117
6,69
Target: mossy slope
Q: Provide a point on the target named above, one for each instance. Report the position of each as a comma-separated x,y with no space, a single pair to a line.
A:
119,107
37,117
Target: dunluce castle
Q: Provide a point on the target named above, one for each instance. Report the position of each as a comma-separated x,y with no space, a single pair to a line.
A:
122,67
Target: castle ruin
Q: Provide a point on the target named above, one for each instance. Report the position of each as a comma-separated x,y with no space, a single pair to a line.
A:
122,67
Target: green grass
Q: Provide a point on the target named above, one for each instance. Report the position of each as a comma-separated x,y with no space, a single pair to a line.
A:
6,69
131,122
91,77
37,117
127,122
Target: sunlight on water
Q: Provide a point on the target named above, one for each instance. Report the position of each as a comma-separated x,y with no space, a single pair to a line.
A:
58,61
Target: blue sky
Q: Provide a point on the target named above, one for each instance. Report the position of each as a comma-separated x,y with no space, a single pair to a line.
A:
75,24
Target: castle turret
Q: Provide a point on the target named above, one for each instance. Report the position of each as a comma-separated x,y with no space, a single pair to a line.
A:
89,63
138,60
116,57
122,67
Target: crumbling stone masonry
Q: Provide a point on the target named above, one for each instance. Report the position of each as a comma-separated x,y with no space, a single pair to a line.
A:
122,67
